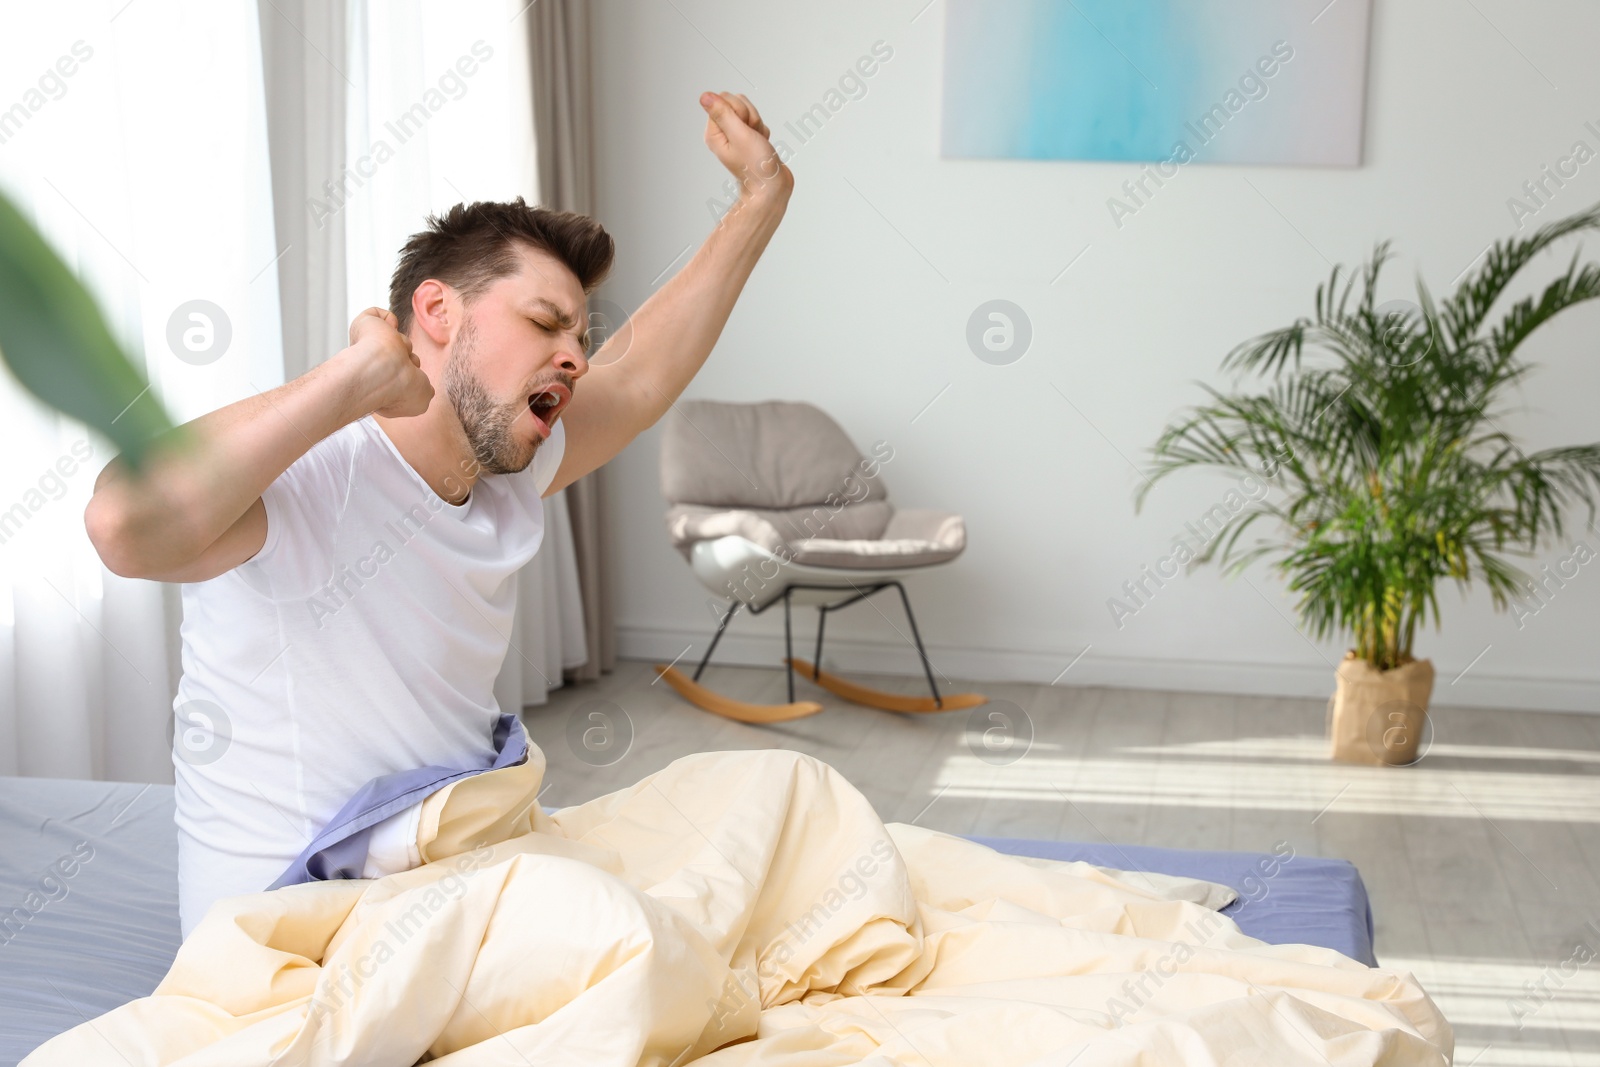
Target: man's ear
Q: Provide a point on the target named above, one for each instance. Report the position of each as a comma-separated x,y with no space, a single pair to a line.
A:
431,310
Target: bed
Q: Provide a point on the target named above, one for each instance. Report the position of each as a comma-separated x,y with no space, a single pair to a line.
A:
89,917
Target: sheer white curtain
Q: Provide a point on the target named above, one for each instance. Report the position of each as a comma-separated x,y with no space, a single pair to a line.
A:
134,135
137,145
439,111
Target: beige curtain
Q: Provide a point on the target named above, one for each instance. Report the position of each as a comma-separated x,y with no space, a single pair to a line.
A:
558,57
301,41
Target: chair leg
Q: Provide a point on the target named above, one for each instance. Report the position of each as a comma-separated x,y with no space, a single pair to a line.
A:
927,668
822,620
788,645
721,626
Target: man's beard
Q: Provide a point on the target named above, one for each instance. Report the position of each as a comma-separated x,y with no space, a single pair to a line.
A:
488,426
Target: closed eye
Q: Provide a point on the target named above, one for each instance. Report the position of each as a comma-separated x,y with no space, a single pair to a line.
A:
550,327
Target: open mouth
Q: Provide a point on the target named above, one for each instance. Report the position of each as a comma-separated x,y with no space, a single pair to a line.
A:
546,405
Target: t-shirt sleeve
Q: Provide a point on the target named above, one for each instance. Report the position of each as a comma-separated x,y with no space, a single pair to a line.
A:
547,460
304,504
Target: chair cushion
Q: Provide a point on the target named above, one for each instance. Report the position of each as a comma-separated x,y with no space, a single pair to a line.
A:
774,529
774,455
914,538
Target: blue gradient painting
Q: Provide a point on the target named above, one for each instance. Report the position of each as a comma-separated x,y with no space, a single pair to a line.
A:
1176,81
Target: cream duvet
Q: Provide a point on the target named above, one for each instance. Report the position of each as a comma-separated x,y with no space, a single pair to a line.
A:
738,909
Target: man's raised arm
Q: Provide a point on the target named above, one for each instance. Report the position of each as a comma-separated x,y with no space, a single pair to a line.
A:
669,337
194,511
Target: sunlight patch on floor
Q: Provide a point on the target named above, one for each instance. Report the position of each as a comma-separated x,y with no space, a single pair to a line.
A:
1304,787
1313,748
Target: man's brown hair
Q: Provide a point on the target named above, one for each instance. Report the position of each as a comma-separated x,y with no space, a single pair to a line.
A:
473,245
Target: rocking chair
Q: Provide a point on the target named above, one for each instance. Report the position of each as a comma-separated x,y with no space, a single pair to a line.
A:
772,501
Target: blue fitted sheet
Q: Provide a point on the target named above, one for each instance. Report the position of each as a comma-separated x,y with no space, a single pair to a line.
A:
94,939
1283,900
79,937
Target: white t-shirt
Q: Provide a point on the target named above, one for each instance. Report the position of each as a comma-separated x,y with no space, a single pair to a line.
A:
364,638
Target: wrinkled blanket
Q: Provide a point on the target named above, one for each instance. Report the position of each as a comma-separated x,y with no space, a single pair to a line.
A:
744,909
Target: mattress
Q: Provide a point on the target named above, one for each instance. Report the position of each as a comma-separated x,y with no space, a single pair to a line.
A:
1284,898
89,898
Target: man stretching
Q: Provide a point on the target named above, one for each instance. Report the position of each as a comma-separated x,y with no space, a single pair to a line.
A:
349,541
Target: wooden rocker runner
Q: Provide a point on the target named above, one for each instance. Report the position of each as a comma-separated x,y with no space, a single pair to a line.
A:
801,517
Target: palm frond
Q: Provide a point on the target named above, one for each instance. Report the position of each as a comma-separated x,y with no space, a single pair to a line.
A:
1526,315
1464,313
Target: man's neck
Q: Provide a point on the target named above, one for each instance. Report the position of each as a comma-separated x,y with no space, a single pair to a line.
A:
437,449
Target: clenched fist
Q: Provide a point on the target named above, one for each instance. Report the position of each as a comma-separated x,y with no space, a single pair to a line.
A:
391,379
742,142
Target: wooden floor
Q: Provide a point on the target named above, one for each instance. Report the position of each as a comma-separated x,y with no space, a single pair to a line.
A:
1482,860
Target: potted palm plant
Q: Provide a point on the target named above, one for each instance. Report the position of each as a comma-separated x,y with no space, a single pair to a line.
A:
1376,429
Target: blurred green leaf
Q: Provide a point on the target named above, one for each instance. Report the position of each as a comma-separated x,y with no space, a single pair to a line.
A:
57,343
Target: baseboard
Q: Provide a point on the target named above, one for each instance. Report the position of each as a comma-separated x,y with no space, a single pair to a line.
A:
1474,689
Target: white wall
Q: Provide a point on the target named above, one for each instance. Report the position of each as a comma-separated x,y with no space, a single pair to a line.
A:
846,312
